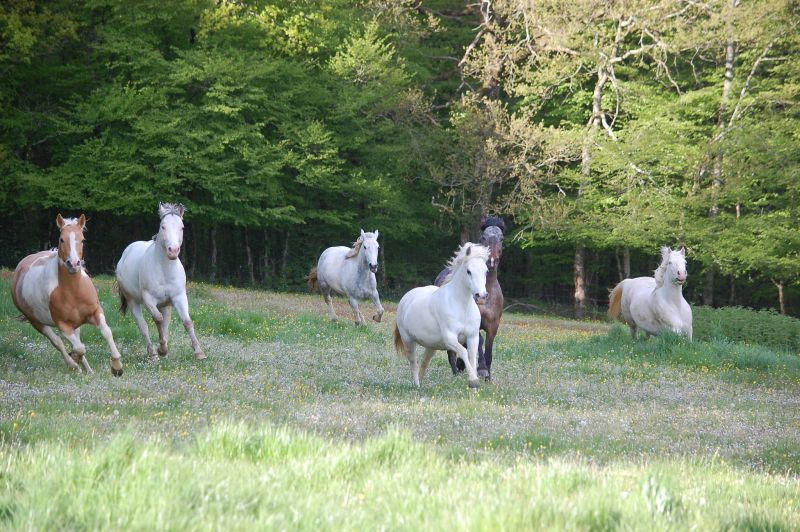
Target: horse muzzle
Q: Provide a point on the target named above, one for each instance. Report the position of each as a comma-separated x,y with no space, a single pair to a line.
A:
173,253
480,299
373,268
679,282
72,267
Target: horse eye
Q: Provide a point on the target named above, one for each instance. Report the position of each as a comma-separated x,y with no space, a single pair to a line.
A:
469,272
61,240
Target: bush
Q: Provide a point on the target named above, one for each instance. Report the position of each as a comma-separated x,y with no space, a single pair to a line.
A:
737,324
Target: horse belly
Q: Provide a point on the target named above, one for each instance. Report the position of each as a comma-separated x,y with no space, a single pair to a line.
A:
35,288
128,268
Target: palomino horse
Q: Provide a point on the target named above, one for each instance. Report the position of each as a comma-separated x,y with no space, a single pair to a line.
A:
655,303
492,233
52,289
351,273
444,318
150,274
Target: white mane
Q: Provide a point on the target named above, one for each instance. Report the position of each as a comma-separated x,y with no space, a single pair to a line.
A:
662,268
358,243
70,221
460,257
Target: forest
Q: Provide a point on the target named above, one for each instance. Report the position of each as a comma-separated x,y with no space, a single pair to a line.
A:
599,130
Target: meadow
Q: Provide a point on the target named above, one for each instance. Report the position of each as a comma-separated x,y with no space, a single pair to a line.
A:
296,422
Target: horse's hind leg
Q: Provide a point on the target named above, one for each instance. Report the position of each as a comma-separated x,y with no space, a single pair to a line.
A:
331,312
357,313
426,359
51,335
163,331
136,310
410,349
634,330
456,364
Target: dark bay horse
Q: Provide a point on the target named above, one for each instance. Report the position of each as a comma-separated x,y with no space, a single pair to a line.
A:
493,231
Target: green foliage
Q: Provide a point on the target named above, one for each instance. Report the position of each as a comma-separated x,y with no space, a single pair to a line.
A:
737,324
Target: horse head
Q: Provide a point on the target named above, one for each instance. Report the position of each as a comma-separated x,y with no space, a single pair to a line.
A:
369,249
70,242
674,264
493,230
170,233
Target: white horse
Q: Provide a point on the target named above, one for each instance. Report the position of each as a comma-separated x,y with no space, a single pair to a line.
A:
655,303
351,273
150,274
442,318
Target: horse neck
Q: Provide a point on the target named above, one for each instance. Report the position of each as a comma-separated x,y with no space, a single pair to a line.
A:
458,285
670,291
69,281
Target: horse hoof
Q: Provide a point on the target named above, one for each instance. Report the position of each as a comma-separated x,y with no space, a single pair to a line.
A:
483,373
488,378
116,372
162,353
153,358
200,356
474,384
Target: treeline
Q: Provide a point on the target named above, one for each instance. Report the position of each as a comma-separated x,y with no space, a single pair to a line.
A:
600,130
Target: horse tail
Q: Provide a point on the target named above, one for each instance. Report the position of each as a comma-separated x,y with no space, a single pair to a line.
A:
311,278
615,302
123,302
399,346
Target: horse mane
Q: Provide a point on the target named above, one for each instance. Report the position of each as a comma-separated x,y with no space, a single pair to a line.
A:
494,221
357,245
662,268
460,257
72,221
355,249
165,209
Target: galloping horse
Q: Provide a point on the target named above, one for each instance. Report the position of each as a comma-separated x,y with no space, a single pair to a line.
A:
151,274
655,303
351,273
447,317
52,289
493,231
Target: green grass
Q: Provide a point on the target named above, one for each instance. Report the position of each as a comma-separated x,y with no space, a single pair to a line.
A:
298,422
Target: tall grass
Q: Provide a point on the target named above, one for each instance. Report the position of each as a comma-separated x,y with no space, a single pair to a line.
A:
236,476
754,327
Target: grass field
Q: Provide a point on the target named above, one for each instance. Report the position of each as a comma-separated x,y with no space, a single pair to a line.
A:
294,422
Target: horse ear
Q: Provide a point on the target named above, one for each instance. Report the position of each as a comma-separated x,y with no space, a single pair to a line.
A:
60,221
82,221
162,210
665,251
376,233
683,251
362,233
181,208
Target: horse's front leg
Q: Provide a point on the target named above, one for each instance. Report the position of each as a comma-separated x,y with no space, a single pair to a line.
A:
469,355
51,335
376,301
181,304
78,353
356,312
99,321
485,351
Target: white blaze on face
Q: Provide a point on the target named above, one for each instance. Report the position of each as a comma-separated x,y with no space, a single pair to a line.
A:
74,259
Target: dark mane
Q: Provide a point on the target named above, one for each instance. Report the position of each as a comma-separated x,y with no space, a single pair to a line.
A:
493,221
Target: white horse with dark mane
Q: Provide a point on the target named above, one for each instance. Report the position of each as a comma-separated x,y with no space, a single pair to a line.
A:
444,318
351,273
655,303
151,275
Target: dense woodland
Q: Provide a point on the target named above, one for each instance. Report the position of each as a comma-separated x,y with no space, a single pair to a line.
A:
601,130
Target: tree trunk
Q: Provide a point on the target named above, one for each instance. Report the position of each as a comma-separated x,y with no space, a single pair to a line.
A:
716,171
249,251
626,262
265,259
708,287
781,296
213,275
382,271
579,278
193,239
732,298
285,254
